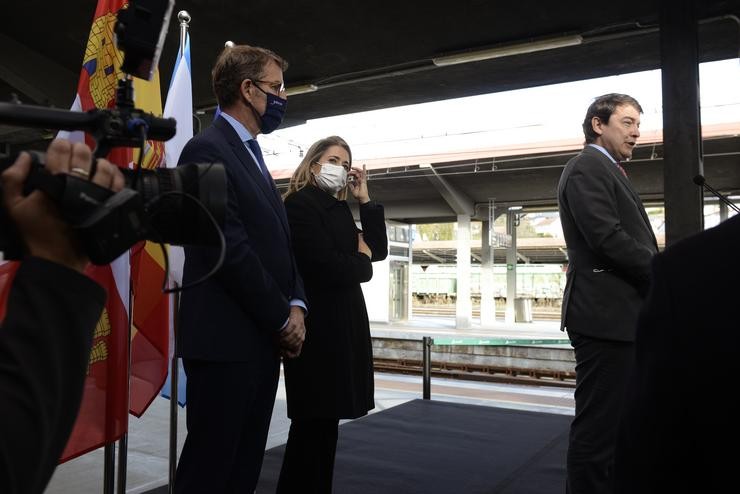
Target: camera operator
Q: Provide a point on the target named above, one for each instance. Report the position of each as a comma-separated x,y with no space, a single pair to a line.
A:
52,311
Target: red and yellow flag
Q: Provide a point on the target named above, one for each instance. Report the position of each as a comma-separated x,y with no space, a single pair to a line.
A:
7,273
150,335
104,409
150,325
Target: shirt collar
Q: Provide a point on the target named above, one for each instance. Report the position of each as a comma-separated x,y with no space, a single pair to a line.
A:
603,151
240,129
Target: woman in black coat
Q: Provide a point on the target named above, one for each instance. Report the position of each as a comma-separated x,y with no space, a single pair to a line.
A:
332,378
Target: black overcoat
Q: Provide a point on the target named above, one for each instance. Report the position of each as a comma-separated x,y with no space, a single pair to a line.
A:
333,376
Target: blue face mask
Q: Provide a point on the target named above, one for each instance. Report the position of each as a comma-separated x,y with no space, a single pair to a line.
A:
274,112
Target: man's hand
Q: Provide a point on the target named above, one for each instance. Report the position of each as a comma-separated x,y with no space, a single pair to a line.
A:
293,335
44,231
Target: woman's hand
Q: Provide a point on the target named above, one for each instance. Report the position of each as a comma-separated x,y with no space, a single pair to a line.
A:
357,183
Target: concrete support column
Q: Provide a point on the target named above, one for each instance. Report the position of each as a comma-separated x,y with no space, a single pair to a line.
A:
512,219
682,144
463,307
487,302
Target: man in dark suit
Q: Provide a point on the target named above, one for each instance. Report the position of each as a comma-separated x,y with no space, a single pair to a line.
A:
46,334
235,324
610,244
677,425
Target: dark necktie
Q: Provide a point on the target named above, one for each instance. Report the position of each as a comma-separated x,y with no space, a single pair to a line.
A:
618,166
255,147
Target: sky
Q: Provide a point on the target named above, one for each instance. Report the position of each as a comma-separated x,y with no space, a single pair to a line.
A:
529,115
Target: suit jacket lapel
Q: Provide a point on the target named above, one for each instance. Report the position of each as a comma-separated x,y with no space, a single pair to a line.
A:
268,189
641,207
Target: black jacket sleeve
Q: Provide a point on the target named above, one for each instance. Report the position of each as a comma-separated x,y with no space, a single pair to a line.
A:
44,350
372,218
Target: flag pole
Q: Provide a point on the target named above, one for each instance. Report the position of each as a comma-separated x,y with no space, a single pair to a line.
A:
174,375
109,459
184,17
123,442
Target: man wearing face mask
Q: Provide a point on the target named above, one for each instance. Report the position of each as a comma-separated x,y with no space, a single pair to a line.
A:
234,326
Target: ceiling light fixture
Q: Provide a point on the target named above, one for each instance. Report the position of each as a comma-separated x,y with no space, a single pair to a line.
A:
508,50
302,89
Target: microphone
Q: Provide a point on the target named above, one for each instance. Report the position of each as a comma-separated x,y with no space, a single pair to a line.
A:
701,182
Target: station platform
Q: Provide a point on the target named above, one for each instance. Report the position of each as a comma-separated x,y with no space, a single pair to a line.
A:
147,465
444,328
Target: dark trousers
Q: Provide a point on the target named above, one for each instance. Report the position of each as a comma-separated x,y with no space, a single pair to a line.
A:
228,417
308,464
602,371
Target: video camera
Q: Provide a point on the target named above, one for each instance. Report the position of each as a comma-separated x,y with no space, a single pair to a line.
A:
183,206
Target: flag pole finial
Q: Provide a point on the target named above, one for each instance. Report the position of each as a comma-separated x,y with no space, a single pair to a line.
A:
184,19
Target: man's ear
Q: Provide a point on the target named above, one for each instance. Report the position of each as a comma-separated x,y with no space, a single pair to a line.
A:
246,89
596,125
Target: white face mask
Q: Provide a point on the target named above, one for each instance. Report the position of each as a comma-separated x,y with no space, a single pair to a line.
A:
331,178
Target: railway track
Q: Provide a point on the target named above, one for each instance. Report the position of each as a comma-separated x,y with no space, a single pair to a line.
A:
481,373
464,369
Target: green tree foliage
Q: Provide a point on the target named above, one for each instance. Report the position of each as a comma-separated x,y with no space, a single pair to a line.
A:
436,231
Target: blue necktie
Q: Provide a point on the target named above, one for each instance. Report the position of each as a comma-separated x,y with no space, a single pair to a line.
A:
255,147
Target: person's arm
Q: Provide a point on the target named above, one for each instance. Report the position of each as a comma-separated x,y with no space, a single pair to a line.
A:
372,216
45,343
41,227
374,231
52,310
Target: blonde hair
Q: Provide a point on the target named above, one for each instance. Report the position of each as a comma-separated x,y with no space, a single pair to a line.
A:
302,175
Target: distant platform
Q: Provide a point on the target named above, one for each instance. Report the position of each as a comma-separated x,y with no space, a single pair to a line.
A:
515,352
445,327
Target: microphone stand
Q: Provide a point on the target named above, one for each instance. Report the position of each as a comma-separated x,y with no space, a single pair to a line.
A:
699,180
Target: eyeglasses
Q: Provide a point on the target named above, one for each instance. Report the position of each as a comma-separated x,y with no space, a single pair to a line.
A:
277,87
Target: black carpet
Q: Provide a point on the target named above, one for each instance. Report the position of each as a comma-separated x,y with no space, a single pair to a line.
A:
436,447
433,447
